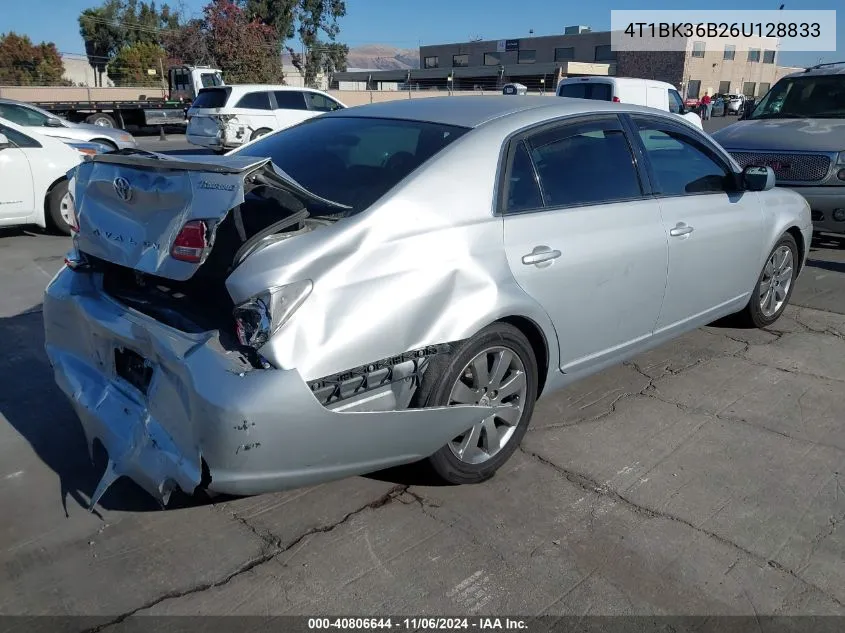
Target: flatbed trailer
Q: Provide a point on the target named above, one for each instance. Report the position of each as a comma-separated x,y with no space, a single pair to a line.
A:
120,114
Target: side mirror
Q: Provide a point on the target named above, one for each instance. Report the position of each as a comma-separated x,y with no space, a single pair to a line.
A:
758,178
53,123
4,142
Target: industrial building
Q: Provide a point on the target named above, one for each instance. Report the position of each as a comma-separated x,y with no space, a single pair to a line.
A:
714,65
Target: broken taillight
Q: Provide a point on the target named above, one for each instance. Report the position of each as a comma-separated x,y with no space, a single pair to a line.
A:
616,100
191,243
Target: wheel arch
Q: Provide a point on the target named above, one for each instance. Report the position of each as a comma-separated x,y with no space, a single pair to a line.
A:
539,344
105,141
44,211
796,234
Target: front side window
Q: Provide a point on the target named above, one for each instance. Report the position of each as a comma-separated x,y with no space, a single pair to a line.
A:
527,56
492,59
21,115
211,79
460,61
822,96
255,101
575,162
682,165
17,138
322,103
698,49
353,160
431,62
676,104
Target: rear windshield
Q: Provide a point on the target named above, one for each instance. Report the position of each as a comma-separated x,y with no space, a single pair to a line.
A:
211,98
587,90
353,160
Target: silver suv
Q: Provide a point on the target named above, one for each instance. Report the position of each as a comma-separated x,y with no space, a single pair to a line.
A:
798,129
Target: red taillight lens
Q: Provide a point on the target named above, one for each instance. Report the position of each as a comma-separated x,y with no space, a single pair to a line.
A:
616,100
190,244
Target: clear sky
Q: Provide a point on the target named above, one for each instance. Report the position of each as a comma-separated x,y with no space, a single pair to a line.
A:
409,23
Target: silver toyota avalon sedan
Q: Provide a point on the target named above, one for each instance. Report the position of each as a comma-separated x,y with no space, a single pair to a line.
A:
395,282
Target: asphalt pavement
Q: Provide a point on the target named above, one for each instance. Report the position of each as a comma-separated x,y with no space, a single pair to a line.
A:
704,477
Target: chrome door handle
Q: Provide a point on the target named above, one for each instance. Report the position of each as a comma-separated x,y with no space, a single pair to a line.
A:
541,256
681,229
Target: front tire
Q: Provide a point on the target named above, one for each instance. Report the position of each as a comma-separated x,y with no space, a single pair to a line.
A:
774,285
496,366
59,208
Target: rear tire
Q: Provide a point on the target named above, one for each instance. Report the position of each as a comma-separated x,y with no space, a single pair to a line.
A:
774,285
57,209
102,119
477,454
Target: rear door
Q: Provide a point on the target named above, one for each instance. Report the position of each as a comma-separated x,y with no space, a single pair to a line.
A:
582,239
291,108
715,232
255,109
17,200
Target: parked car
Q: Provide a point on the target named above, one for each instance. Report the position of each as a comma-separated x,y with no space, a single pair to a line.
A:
225,117
33,186
43,123
326,301
798,129
645,92
735,103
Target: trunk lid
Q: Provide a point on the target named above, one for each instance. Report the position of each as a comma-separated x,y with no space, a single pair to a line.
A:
131,206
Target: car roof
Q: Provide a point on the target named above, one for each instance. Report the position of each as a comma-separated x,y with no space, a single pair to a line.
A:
474,111
622,81
835,68
265,87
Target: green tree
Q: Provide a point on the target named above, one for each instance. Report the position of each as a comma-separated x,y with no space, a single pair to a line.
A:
310,19
23,63
245,50
103,37
132,65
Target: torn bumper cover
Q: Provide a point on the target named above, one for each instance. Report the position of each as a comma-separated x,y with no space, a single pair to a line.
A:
256,430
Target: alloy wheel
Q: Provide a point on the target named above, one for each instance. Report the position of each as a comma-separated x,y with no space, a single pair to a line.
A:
776,281
495,376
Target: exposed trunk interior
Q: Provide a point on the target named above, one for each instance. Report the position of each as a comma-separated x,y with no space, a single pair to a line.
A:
202,303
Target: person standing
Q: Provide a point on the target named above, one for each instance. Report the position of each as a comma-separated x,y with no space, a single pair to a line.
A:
707,102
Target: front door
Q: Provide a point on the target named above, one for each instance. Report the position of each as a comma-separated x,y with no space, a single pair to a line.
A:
16,189
291,108
582,240
715,231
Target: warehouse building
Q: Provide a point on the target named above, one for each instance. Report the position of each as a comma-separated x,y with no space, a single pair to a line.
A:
713,65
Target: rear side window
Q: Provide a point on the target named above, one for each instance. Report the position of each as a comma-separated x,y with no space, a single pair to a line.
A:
353,160
290,100
211,98
255,101
587,90
523,189
586,163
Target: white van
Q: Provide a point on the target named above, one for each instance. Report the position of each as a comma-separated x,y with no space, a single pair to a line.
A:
225,117
645,92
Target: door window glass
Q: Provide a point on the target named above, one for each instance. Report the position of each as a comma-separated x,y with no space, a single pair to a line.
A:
290,100
22,116
255,101
676,104
523,190
319,102
681,164
20,140
588,163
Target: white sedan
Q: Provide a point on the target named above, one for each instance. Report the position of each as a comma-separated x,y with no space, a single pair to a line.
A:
33,181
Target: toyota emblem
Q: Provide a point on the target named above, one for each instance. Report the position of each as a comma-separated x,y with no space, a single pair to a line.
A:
122,188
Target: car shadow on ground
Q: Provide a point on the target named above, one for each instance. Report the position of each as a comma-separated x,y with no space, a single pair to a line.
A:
37,409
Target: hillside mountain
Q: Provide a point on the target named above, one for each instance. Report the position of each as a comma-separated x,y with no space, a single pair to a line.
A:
378,56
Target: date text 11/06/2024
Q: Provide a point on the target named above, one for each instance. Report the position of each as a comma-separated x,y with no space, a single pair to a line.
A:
418,624
723,29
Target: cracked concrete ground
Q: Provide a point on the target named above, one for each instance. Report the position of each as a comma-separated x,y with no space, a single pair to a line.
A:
704,477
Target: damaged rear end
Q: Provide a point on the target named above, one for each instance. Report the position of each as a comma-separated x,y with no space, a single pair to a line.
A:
165,370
